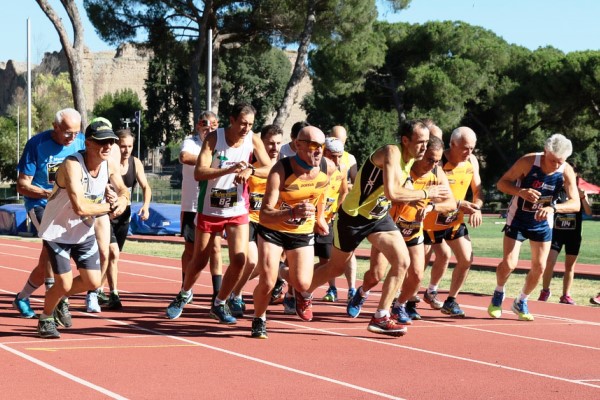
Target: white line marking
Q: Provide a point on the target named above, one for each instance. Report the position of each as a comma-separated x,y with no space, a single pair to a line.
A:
63,373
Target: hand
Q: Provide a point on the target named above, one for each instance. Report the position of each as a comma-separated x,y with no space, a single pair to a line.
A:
529,194
118,206
321,227
543,213
439,193
144,213
243,176
304,210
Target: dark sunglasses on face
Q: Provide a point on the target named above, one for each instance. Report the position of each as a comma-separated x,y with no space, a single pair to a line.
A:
104,142
312,145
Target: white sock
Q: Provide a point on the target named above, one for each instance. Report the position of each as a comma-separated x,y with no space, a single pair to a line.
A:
218,302
185,293
432,288
523,296
500,288
380,313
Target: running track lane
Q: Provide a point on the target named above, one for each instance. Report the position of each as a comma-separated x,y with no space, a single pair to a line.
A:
137,353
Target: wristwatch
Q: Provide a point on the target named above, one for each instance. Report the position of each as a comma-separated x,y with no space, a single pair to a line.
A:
553,208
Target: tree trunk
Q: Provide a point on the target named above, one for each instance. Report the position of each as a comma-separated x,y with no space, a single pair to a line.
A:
73,52
299,70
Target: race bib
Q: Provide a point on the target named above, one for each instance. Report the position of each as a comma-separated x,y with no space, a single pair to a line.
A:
256,201
52,168
381,208
447,219
408,228
223,198
565,222
542,202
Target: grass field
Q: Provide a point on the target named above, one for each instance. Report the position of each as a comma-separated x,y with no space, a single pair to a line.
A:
487,242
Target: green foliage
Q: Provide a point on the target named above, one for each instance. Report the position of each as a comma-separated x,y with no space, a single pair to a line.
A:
50,94
255,76
8,148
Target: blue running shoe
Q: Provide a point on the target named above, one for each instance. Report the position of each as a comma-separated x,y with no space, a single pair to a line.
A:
495,307
399,314
23,306
236,306
331,295
520,308
222,314
351,293
411,310
452,309
175,309
355,304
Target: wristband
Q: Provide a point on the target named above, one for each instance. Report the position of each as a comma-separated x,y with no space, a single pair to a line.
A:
553,208
252,168
426,194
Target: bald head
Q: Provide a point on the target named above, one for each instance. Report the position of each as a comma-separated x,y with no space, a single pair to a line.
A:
339,132
311,133
435,130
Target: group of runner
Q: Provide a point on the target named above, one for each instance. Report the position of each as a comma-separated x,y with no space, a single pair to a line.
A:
280,209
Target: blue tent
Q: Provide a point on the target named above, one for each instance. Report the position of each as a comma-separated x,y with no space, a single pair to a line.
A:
164,220
13,219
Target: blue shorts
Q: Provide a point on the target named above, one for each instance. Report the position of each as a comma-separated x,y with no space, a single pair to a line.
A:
84,254
522,234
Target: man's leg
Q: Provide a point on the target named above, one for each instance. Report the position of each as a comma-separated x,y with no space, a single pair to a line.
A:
438,268
269,255
548,273
334,268
236,302
463,252
510,258
570,261
404,309
216,265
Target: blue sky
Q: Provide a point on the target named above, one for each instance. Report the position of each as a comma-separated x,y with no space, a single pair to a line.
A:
567,25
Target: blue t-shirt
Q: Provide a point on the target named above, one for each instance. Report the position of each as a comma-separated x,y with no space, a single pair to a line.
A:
41,158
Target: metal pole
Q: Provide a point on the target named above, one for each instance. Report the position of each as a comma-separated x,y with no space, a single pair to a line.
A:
18,141
28,79
139,124
209,47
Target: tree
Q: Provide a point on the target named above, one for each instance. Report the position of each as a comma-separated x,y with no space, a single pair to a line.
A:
8,148
73,51
50,94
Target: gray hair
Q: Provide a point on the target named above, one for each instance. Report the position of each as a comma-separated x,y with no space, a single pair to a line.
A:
71,112
208,114
559,145
461,132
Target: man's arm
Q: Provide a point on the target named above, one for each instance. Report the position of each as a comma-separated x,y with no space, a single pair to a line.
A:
69,176
573,204
388,159
507,183
140,175
118,206
473,209
268,212
204,171
26,188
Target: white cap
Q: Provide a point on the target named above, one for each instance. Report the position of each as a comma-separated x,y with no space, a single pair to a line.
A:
334,145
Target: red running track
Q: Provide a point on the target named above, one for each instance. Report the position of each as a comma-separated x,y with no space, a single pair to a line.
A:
138,353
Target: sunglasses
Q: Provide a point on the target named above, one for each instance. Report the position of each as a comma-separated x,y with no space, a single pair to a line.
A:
312,145
104,142
69,135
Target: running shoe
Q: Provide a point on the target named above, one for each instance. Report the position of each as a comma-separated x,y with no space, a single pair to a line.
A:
415,299
236,306
566,299
277,290
62,315
544,295
102,297
495,307
431,299
222,314
304,307
47,329
411,310
354,306
259,329
452,309
400,315
330,295
91,302
175,309
289,305
23,306
520,308
114,302
595,300
386,326
351,293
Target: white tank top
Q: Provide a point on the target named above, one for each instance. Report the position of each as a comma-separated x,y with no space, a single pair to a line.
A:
222,197
60,223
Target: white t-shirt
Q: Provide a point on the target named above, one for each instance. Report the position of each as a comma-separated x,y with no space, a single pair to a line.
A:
189,186
286,151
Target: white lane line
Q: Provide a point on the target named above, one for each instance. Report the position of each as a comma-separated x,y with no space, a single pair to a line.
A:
63,373
436,353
